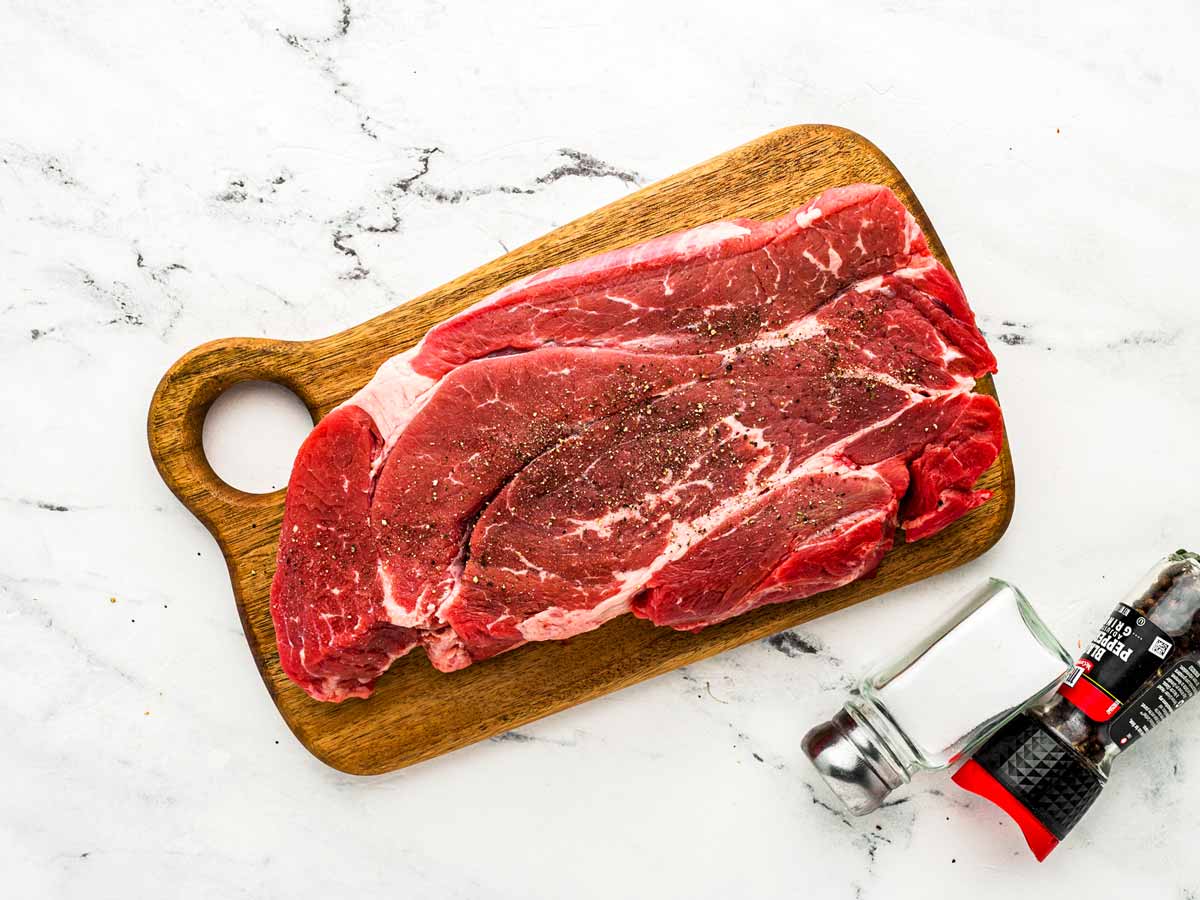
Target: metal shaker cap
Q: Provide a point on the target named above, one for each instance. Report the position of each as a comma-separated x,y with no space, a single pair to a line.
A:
849,758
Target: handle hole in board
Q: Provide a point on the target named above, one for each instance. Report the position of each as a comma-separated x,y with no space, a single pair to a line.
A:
252,432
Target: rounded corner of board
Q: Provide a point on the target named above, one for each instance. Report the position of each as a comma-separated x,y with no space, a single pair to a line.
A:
838,133
331,754
349,765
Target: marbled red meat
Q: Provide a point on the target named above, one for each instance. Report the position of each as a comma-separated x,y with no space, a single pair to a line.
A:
686,429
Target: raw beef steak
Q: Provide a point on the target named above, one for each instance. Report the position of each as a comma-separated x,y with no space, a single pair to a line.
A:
686,429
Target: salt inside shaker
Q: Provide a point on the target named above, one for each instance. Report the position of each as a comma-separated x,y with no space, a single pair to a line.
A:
939,700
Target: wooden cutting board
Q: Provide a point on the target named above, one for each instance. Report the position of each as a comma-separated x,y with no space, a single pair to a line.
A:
417,713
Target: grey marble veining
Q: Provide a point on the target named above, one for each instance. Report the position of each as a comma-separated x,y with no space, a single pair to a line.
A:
174,174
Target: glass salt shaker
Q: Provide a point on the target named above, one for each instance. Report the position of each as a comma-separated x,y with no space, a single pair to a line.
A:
939,700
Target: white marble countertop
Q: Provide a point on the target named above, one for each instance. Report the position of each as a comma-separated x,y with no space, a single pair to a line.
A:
171,174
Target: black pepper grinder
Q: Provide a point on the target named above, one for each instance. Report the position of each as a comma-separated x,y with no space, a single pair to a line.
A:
1048,765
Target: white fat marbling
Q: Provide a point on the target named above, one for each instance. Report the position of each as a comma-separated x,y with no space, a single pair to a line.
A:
175,173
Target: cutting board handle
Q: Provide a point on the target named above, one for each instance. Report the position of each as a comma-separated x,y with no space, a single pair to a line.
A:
175,425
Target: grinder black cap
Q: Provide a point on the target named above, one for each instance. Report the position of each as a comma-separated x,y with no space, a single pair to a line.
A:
1034,777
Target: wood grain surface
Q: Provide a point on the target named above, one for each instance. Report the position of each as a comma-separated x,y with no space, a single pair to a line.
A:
416,712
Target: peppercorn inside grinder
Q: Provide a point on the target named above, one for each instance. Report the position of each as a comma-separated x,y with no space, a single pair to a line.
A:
938,700
1046,767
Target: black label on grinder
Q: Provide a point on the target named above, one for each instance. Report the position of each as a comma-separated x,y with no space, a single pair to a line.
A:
1126,652
1171,690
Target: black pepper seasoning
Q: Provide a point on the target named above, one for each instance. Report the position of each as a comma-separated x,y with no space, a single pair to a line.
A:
1047,766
